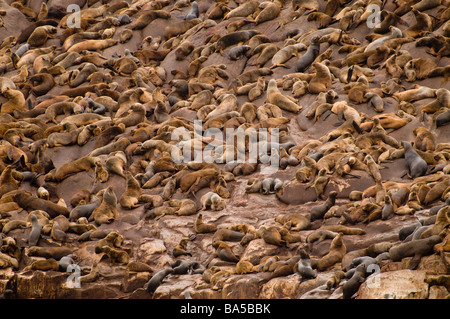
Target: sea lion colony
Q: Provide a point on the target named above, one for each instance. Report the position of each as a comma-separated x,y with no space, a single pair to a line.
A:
87,175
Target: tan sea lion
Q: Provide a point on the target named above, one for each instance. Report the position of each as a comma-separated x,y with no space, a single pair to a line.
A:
335,255
107,211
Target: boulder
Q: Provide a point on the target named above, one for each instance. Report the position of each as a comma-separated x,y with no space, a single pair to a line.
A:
400,284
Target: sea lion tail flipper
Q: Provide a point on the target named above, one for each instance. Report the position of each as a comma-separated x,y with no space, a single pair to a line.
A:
350,74
348,218
356,127
414,262
325,115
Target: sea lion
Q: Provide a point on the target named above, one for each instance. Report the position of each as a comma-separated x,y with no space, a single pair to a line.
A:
252,75
200,227
425,140
92,45
193,12
106,212
310,55
415,165
307,170
285,53
442,221
335,255
16,100
35,233
157,279
352,285
130,197
212,200
234,38
181,27
271,235
416,248
320,183
50,252
321,80
84,210
245,9
85,163
304,268
40,35
147,17
319,211
183,50
29,202
135,116
238,51
274,96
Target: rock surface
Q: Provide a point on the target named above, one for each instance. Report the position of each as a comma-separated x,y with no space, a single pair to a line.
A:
145,239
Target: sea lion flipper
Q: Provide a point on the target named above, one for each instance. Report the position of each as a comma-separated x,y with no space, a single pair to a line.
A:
414,262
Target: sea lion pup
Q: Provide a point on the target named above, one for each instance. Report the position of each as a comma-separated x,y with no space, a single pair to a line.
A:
310,55
415,165
321,80
40,35
107,211
274,96
234,38
193,13
415,248
16,101
304,268
157,280
335,255
130,197
238,51
425,140
35,233
200,227
271,235
319,211
284,54
212,200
